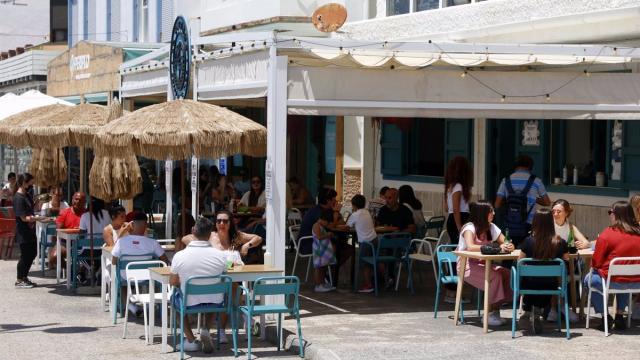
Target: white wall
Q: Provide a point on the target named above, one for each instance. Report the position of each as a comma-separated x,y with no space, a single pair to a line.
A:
13,22
353,137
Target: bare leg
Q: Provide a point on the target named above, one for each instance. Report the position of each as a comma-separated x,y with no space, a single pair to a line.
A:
188,333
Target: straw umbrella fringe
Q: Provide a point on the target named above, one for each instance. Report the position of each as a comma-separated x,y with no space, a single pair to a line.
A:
115,176
181,128
13,129
48,167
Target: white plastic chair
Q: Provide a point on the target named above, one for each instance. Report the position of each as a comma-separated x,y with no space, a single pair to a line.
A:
616,268
424,253
140,273
294,217
296,244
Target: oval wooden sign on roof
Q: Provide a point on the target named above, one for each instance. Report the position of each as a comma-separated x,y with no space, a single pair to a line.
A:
329,17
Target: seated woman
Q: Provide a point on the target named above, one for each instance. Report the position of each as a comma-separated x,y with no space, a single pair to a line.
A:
255,198
543,243
118,227
621,239
407,197
479,231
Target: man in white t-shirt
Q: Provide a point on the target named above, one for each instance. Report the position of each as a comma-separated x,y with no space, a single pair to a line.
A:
362,221
199,258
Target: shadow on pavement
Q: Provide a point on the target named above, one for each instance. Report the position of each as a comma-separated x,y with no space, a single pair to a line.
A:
17,327
70,330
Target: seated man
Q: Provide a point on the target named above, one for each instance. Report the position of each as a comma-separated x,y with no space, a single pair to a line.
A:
395,215
68,218
136,243
300,195
199,258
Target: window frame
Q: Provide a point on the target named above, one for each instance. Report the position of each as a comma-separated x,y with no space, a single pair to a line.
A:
413,6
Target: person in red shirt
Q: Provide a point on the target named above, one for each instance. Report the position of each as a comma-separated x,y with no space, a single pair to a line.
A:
69,218
621,239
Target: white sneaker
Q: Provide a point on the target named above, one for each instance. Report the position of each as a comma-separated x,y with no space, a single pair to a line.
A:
636,311
573,317
205,339
322,288
223,337
496,320
191,346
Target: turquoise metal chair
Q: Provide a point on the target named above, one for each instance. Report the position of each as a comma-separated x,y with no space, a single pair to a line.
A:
446,263
391,249
120,280
289,287
553,268
205,285
48,230
81,252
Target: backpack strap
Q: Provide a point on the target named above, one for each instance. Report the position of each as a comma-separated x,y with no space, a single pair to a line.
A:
507,184
526,189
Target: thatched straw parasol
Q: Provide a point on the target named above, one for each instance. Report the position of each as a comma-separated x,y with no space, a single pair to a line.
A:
48,167
181,128
13,128
115,176
74,126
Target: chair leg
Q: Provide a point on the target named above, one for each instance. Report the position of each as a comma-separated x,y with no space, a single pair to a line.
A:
514,314
566,315
199,322
630,311
146,322
234,333
299,334
559,312
182,336
588,306
173,328
605,312
398,276
478,296
126,318
435,306
249,316
375,277
306,276
279,329
295,263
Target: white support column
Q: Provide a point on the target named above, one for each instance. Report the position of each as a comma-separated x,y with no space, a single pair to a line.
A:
194,160
369,151
276,167
168,168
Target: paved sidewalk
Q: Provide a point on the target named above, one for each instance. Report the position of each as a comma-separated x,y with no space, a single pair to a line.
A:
49,323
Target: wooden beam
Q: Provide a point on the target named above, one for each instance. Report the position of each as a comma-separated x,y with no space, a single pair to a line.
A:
339,157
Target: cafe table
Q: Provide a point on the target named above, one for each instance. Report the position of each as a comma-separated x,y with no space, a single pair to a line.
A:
70,235
585,254
247,273
488,259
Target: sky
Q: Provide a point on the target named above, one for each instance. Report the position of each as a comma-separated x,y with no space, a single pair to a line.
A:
21,22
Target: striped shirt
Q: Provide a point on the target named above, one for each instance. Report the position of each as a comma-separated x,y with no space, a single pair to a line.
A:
519,181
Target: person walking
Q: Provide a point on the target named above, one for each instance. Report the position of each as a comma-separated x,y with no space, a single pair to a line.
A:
25,229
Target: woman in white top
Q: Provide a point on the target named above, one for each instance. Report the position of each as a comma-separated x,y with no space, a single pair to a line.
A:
407,197
458,181
118,227
95,221
561,210
480,231
255,198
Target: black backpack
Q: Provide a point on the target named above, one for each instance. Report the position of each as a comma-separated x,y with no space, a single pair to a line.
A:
517,208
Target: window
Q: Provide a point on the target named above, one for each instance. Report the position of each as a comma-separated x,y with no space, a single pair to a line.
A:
421,148
144,21
398,7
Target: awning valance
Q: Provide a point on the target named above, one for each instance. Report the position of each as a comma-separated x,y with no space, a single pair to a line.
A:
237,77
145,83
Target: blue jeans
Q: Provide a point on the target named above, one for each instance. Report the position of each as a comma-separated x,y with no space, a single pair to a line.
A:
622,300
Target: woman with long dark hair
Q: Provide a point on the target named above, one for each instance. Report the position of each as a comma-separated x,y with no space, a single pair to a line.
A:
458,180
229,240
25,229
543,243
480,231
620,239
407,197
97,219
255,198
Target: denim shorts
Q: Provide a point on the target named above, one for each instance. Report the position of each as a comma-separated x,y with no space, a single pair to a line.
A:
177,298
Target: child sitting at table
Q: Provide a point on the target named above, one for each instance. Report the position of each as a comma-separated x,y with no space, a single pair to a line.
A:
543,243
323,251
362,221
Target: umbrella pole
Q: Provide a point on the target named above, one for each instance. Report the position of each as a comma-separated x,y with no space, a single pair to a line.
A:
183,218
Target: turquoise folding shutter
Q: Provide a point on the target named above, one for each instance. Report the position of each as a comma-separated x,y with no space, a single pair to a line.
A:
631,154
458,139
394,146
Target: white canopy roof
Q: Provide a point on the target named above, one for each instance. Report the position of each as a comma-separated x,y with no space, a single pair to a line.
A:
11,104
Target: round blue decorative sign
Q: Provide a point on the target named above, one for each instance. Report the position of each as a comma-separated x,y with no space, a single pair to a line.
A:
180,59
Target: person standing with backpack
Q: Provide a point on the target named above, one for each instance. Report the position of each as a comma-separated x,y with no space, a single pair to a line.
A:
518,194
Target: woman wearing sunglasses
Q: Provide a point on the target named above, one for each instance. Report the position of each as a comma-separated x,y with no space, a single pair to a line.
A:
255,198
229,240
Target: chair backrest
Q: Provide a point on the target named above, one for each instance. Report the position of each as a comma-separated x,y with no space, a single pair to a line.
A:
445,257
305,239
85,241
123,260
50,229
139,270
206,285
293,232
289,286
541,268
294,217
624,266
397,242
435,223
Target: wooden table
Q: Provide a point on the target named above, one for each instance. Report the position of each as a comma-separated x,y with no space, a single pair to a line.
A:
586,254
70,235
464,255
237,274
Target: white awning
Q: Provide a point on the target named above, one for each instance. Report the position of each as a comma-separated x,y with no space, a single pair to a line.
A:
144,83
234,77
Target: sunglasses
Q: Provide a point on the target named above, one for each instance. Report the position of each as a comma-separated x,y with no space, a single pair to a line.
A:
222,221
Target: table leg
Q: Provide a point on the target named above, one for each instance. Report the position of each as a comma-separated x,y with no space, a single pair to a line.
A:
456,311
487,278
152,311
572,284
353,262
164,319
583,299
70,249
58,259
113,303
